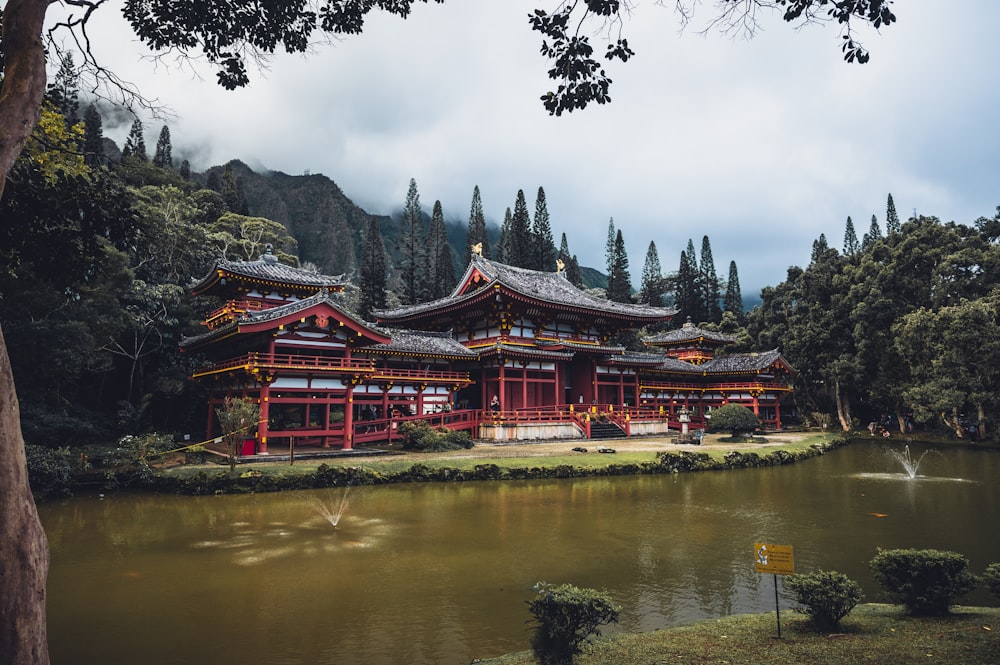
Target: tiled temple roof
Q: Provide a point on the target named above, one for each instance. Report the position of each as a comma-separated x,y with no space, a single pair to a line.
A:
541,353
547,287
417,342
267,268
743,362
688,333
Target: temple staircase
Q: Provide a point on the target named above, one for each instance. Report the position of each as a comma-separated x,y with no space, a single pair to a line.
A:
608,430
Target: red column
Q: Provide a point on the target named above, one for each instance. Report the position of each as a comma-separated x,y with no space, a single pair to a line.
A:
777,412
265,410
349,417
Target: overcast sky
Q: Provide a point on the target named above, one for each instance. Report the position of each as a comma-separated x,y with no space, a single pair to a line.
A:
761,145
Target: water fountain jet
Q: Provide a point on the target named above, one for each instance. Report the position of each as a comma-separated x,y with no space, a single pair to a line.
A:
331,513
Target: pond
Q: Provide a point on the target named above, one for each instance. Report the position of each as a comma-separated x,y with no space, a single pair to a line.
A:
439,573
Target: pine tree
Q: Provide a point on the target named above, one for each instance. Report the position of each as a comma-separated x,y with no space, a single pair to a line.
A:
93,137
711,288
373,273
477,228
874,233
229,192
820,246
163,157
503,246
519,239
440,271
410,231
135,144
619,280
242,205
573,272
851,246
651,289
891,218
687,289
63,92
734,297
185,169
544,249
214,181
609,246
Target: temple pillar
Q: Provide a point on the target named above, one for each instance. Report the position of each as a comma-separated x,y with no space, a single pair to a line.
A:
756,406
349,417
777,413
264,419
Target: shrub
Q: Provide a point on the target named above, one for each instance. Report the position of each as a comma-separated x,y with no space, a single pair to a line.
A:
565,616
926,582
128,464
53,471
825,595
421,437
734,417
991,578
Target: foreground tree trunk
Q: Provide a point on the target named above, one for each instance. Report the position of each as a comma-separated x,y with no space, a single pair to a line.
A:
24,553
843,407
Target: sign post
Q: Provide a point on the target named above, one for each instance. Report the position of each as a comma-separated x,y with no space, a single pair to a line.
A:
776,560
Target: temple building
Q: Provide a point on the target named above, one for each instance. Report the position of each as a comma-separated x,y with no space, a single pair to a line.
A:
511,353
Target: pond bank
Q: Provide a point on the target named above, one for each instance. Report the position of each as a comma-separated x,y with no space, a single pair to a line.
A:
526,461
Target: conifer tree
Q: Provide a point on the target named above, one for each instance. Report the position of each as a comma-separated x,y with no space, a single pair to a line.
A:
440,271
651,290
229,193
185,169
609,246
819,248
619,280
135,143
734,297
242,205
874,233
519,239
477,228
570,264
543,246
851,245
891,218
214,181
687,287
373,271
63,92
711,288
93,137
163,156
410,231
503,245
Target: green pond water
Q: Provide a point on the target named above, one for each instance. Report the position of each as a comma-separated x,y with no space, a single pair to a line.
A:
439,573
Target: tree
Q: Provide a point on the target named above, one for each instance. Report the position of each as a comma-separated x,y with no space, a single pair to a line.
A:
543,246
238,420
619,281
64,90
226,41
163,157
476,233
733,301
651,289
518,241
873,234
440,270
891,218
373,274
565,616
709,283
609,246
572,266
851,245
411,228
734,417
819,248
93,137
135,143
503,245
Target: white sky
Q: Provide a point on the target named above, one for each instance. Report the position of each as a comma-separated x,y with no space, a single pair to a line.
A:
761,145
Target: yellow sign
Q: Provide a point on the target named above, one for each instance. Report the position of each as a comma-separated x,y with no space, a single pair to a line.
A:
774,559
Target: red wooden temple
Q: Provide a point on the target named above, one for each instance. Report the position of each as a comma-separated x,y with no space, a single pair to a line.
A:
511,353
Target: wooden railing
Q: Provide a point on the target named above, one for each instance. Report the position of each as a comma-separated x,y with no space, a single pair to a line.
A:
742,386
233,308
364,367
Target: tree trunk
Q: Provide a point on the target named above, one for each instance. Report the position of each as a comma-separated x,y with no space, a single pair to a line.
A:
901,419
843,407
951,420
24,554
981,417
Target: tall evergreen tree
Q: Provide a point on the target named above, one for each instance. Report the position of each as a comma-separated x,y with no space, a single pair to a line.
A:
477,228
711,287
163,156
93,137
503,246
135,143
570,263
543,246
609,246
185,169
519,241
687,286
651,290
734,297
410,231
373,271
440,271
619,281
820,246
892,225
873,234
851,245
64,90
229,193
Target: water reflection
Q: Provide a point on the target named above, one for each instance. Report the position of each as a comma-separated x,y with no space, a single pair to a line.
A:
439,573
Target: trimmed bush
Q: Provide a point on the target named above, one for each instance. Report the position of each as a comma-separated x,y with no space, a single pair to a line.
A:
991,578
419,436
825,595
734,417
926,582
565,616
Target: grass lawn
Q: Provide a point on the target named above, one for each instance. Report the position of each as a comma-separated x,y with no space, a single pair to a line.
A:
872,633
